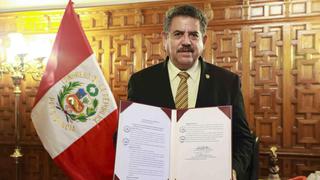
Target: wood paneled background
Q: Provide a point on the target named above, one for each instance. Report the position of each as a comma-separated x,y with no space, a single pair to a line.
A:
273,45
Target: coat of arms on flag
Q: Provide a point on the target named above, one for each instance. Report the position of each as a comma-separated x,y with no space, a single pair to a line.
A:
79,101
81,98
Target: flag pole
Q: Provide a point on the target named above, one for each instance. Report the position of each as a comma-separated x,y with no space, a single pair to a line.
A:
17,151
17,77
18,74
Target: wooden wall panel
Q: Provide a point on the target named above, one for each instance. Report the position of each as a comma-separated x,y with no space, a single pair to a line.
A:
273,46
266,78
226,46
306,94
124,52
6,110
152,49
28,133
7,163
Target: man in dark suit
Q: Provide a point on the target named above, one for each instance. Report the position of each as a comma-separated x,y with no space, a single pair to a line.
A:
205,84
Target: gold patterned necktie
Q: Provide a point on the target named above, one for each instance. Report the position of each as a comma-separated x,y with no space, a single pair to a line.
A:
181,99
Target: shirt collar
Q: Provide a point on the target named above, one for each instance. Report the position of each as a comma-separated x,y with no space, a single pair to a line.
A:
174,71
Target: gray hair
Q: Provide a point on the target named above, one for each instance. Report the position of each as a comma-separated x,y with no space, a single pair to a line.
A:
185,10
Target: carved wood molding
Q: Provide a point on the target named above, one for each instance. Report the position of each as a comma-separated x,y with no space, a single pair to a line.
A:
141,16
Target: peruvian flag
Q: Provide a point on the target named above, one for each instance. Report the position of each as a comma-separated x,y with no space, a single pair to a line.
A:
75,114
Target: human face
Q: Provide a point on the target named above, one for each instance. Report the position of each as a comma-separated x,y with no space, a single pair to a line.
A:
184,43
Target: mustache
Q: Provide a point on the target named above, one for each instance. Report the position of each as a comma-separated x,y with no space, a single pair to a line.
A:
185,49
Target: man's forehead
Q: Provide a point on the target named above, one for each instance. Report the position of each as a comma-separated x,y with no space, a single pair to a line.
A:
185,23
186,31
177,19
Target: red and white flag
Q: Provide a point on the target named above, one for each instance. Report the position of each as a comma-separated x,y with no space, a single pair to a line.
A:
75,114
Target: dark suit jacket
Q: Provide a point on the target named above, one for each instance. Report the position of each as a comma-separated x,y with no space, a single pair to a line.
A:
217,87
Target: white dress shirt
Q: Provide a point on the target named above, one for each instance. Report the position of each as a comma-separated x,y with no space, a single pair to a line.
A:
193,81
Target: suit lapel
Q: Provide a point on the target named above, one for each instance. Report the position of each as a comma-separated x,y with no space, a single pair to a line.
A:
166,95
205,86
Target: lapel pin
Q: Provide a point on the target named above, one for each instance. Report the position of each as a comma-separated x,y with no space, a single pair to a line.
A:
207,76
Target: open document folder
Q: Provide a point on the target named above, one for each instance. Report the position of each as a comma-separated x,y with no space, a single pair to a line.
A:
157,143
